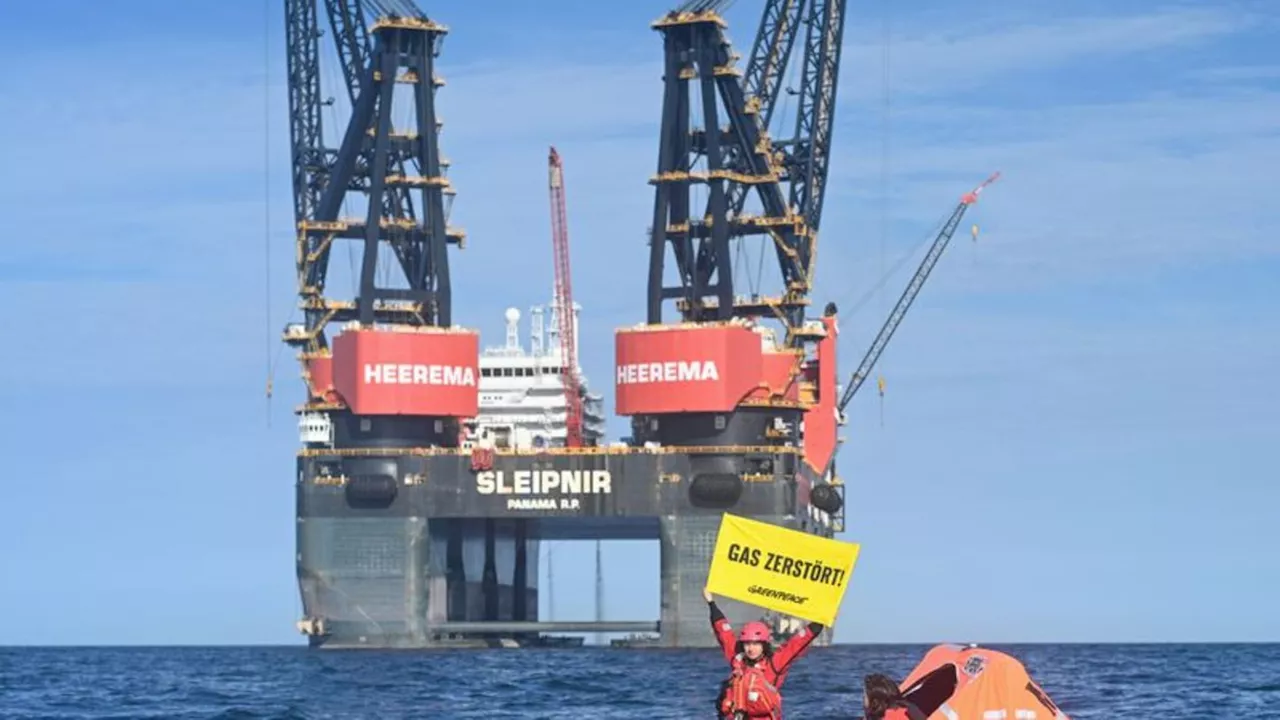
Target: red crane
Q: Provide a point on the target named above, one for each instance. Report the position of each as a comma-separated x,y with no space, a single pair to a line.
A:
564,302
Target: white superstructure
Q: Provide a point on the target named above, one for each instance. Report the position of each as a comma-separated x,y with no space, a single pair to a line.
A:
522,401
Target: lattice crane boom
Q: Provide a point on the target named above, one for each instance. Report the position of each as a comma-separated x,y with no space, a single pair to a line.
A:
909,294
811,146
348,20
789,178
564,301
383,163
310,159
770,56
351,41
302,38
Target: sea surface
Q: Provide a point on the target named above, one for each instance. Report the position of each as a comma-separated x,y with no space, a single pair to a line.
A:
1163,682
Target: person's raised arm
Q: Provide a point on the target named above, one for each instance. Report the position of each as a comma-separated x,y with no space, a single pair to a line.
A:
721,627
795,645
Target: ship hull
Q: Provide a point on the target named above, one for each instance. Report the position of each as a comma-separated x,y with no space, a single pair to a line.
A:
395,543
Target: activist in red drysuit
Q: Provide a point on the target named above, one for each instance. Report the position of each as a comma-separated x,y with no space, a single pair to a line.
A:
753,648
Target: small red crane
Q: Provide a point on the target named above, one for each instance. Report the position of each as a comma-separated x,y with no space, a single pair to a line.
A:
564,302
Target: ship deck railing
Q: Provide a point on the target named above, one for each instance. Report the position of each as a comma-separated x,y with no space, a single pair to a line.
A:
560,451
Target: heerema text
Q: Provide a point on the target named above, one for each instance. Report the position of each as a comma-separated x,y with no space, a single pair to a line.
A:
416,374
669,371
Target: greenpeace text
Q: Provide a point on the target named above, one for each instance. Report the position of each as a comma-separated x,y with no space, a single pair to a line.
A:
777,594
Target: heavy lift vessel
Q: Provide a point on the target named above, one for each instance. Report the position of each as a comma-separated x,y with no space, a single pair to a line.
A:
411,534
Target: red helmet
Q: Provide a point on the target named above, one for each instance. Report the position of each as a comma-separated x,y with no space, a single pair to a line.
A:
754,632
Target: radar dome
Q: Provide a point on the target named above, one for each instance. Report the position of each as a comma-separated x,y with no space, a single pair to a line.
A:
513,315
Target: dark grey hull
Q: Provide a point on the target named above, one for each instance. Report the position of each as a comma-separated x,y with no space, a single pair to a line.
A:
395,544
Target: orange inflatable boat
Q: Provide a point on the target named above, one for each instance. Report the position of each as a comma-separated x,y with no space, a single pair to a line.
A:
956,682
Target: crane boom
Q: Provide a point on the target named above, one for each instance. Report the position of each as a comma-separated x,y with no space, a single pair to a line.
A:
788,176
373,160
310,165
815,119
348,22
350,40
909,294
564,302
770,55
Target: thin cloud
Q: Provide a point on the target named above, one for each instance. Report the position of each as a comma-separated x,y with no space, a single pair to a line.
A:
970,54
1240,73
1171,175
149,335
1095,189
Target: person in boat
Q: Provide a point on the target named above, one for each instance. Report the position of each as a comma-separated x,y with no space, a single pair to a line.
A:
882,699
757,668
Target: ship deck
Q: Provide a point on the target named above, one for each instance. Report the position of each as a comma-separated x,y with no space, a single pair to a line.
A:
557,451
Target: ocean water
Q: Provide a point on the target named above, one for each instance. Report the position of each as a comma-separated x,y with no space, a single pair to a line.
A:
1164,682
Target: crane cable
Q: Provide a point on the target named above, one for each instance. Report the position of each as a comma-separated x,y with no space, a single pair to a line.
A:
266,192
273,359
872,292
886,41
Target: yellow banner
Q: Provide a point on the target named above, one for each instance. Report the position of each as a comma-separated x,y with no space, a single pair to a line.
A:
776,568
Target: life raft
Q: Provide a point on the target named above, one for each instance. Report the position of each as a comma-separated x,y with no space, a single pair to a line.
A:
957,682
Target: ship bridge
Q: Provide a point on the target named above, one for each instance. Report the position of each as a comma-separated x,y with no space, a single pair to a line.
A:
522,402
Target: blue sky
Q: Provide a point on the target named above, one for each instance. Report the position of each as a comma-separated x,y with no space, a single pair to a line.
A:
1073,443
